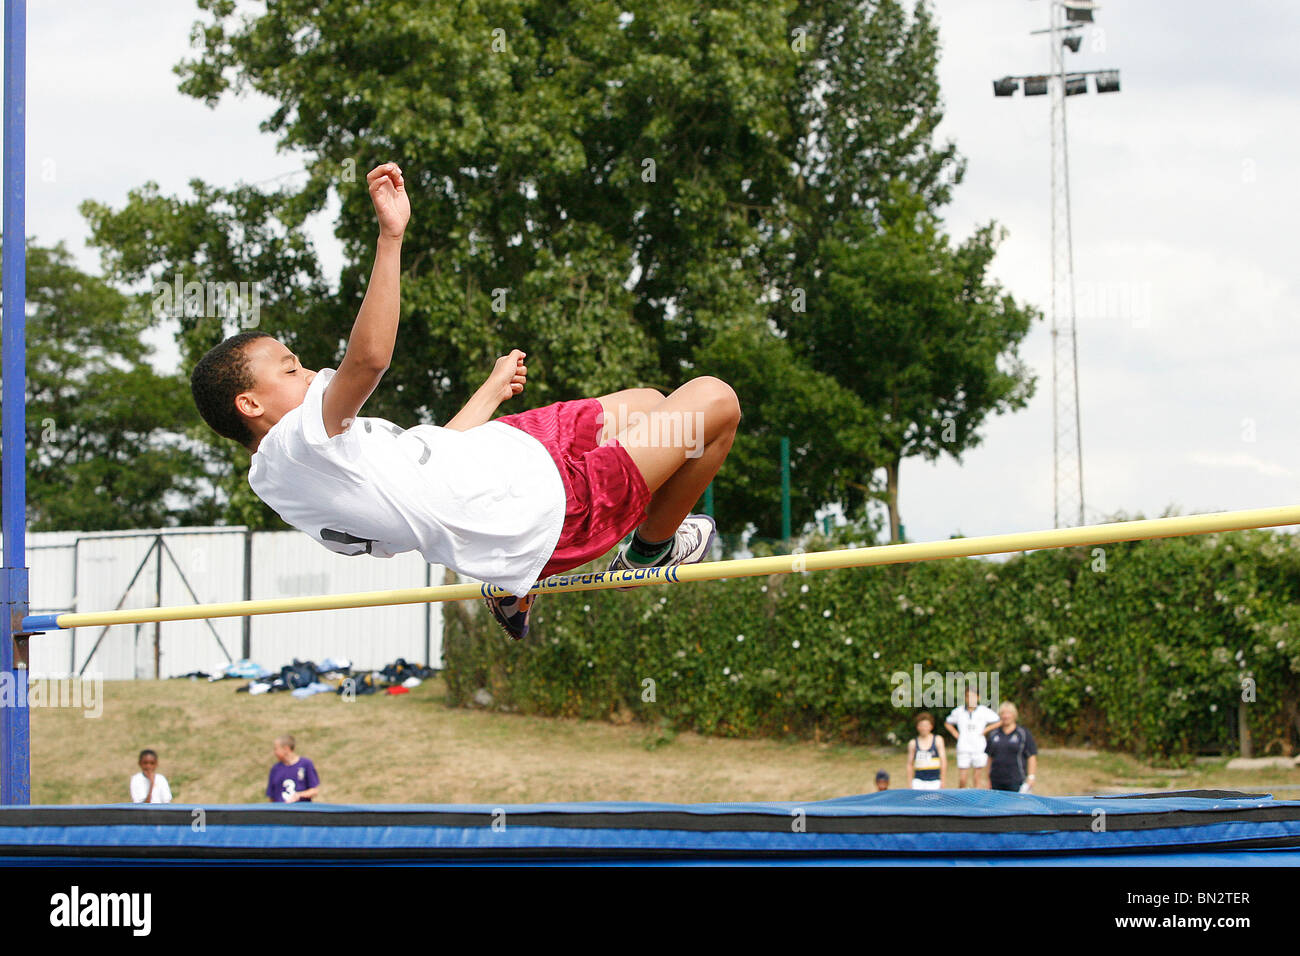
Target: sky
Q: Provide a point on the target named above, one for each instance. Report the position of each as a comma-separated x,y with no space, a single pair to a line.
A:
1184,201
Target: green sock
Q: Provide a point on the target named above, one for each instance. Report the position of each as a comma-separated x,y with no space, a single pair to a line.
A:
644,552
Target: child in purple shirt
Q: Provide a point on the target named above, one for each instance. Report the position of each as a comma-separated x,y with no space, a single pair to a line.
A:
293,778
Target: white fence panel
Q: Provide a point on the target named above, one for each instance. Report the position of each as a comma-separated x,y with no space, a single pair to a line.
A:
289,564
51,558
212,567
114,571
100,571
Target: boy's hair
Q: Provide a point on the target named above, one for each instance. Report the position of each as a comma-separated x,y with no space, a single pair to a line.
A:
925,715
287,741
147,753
220,376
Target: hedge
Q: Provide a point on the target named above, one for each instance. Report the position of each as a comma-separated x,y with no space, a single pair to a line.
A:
1152,647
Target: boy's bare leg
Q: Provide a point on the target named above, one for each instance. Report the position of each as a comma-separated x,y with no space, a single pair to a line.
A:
678,443
677,497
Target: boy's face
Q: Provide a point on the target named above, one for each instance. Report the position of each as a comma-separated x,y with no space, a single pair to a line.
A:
280,382
281,751
148,763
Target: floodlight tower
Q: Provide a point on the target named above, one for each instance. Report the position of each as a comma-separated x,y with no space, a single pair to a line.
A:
1067,432
1066,19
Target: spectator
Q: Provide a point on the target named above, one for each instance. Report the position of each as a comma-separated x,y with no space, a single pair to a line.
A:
927,763
293,779
882,780
1013,755
968,725
149,786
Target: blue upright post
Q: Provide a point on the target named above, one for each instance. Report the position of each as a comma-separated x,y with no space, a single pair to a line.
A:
15,762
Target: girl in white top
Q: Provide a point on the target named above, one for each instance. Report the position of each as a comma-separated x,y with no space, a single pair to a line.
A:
968,725
149,786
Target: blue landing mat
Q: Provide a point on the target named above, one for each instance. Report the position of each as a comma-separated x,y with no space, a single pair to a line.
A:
976,827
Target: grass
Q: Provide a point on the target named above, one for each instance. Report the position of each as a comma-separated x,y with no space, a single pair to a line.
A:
215,747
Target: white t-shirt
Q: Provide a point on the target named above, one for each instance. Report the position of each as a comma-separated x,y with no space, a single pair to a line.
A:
487,502
970,726
140,789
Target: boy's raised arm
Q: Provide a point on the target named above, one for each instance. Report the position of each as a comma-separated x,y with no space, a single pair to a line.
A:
370,346
509,375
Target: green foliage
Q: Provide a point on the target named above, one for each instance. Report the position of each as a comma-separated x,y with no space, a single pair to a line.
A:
222,236
869,107
916,330
106,434
831,433
1145,646
630,192
909,324
559,151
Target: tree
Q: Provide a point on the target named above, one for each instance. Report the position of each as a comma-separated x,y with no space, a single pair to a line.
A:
632,192
917,330
590,182
911,327
587,173
106,434
866,106
831,433
219,237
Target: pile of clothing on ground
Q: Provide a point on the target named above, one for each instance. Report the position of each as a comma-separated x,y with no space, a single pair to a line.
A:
330,676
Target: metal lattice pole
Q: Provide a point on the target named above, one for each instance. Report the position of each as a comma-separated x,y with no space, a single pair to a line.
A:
1067,437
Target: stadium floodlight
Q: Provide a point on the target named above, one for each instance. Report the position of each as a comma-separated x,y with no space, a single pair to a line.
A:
1063,33
1079,11
1108,82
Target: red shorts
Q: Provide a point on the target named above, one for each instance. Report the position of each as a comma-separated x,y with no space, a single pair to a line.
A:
605,493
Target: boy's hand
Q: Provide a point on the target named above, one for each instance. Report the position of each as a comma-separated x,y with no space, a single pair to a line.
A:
508,377
392,205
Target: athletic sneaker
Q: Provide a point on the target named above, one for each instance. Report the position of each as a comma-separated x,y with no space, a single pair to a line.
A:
512,613
690,545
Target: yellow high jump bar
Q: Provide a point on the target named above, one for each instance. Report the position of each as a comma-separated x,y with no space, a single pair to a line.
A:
712,571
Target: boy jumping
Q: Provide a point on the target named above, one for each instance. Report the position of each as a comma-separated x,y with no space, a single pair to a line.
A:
508,501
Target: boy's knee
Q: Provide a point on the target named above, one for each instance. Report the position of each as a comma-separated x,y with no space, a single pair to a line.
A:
722,396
